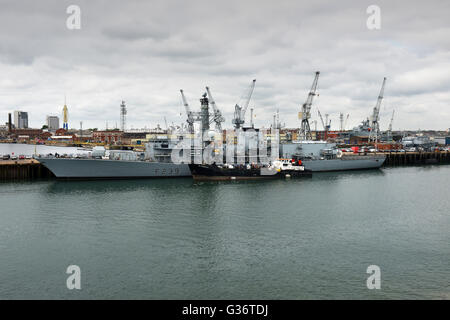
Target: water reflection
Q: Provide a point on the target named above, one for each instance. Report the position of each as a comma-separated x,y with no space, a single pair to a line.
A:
106,186
277,239
336,175
176,184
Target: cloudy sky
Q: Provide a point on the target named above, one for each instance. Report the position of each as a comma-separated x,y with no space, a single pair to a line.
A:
145,51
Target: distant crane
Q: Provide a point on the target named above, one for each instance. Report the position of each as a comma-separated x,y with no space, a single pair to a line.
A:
123,114
165,122
217,115
389,133
251,118
239,110
321,119
276,121
374,120
190,115
326,124
305,114
345,122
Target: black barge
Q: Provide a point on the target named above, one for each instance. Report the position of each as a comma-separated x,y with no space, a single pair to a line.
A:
279,170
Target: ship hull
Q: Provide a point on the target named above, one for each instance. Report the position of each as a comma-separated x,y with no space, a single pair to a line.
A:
86,169
211,172
345,164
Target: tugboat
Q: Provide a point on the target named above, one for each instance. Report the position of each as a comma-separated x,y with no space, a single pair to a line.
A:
281,168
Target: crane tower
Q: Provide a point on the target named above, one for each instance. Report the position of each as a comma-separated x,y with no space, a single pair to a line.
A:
305,114
123,113
240,109
217,115
389,132
374,119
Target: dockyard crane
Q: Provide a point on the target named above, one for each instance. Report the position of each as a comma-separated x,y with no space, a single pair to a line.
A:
389,133
190,115
321,119
165,121
217,115
392,120
305,114
251,118
374,120
240,109
345,122
326,124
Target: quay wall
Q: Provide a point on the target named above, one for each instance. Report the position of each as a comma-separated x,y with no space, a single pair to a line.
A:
31,169
394,159
12,170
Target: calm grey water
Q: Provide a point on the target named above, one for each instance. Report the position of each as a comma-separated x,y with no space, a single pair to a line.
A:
292,239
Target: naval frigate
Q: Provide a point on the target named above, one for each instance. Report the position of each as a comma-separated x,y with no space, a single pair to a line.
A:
88,168
118,164
322,156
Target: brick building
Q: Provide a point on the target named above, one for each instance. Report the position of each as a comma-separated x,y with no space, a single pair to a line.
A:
108,136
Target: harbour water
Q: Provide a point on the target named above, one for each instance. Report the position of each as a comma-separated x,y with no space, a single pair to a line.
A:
177,239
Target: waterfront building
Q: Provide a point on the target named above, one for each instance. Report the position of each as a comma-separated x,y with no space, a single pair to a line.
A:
107,136
52,123
21,119
27,133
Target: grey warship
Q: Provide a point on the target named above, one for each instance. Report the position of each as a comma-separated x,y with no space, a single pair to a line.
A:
321,156
117,164
85,169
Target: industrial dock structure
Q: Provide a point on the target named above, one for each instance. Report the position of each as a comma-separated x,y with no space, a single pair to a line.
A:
16,170
365,143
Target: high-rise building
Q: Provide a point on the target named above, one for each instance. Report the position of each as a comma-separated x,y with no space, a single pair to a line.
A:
52,123
21,119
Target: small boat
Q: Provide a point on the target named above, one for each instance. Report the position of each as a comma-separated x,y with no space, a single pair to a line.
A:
281,168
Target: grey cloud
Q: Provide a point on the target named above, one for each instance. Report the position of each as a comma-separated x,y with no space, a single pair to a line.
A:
145,51
136,32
